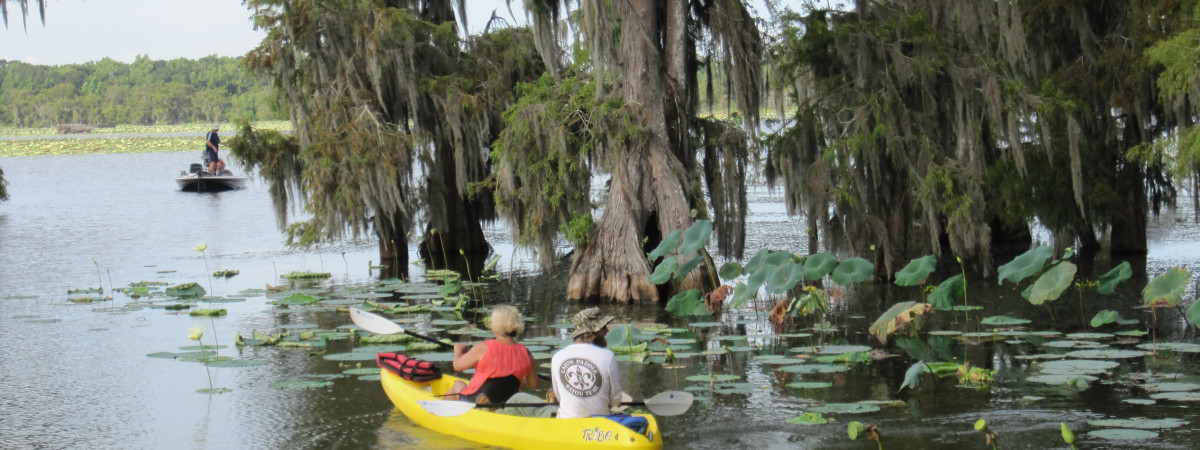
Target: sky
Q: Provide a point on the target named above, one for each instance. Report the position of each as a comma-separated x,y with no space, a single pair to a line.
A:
79,31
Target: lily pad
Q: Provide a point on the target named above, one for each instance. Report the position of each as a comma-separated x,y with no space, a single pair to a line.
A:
1171,387
1123,434
810,385
1106,354
1192,396
713,378
810,418
1077,366
1060,379
239,363
844,408
1003,321
1182,347
1140,423
1139,401
814,368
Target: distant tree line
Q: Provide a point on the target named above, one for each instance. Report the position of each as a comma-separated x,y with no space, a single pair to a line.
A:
144,92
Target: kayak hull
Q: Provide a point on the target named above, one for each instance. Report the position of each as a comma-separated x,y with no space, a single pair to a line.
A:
484,426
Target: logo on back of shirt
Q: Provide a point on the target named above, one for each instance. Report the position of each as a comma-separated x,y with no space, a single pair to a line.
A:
580,377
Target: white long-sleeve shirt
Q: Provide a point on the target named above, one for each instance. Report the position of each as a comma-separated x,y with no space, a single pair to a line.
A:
586,380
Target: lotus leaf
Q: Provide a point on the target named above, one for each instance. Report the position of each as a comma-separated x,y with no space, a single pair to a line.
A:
839,349
852,270
1004,321
1182,347
208,312
844,408
1139,423
1167,288
784,277
809,419
730,270
917,271
850,357
241,363
818,265
1052,283
296,299
1059,379
696,237
814,368
1123,434
1106,354
1110,280
1077,366
186,290
947,293
713,378
895,318
1139,401
689,302
1188,396
810,385
684,269
306,275
1171,387
1089,336
1025,265
1105,317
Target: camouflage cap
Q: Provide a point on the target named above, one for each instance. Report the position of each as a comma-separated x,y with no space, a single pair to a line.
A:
589,321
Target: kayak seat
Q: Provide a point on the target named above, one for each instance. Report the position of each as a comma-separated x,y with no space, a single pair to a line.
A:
632,422
497,390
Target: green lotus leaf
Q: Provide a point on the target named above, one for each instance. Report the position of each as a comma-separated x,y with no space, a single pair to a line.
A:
185,290
696,237
852,270
844,408
1106,354
1123,434
818,265
713,378
1110,280
684,269
810,385
730,270
1025,265
947,293
809,419
1003,321
1171,387
814,368
1141,423
917,271
1052,283
781,279
1077,366
1167,288
1182,347
664,271
1105,317
689,302
296,299
1187,396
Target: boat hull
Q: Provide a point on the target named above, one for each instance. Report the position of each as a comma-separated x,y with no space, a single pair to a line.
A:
486,427
204,183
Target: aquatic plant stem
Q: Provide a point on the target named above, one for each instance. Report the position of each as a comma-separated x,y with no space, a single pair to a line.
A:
215,341
482,301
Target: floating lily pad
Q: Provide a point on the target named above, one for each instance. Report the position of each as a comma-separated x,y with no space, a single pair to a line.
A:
1077,366
362,371
844,408
301,384
1038,357
298,326
1182,347
296,300
351,356
1123,434
1060,379
814,368
185,290
839,349
705,324
1171,387
1140,423
438,357
945,333
239,363
810,418
713,378
1089,336
1003,321
810,385
1139,401
1106,354
1191,396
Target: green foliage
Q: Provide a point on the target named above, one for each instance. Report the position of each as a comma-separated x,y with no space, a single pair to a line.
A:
917,271
1025,265
1052,283
852,270
144,92
689,302
944,296
896,317
1167,288
730,270
578,229
1110,280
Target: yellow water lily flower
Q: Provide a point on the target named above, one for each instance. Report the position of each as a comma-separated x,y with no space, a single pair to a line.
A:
195,333
201,247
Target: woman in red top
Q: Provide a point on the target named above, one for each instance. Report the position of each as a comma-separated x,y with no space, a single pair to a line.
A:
501,365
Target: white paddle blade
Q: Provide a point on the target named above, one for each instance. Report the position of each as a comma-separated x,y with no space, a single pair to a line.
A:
373,322
670,403
446,408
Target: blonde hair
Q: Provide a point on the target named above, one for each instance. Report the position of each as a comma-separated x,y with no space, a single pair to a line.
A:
507,321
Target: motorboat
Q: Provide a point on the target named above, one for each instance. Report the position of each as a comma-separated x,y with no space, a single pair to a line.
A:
197,179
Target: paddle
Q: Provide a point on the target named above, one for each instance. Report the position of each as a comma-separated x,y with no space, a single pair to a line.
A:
669,403
378,324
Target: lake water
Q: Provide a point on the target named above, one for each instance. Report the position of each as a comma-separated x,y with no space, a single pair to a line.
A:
78,375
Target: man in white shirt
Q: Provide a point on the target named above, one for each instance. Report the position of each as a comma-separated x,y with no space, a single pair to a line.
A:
585,376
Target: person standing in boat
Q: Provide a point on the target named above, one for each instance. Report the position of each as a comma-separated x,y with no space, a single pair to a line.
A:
502,366
212,143
586,379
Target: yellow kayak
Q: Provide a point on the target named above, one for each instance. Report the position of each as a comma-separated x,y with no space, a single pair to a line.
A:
487,427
